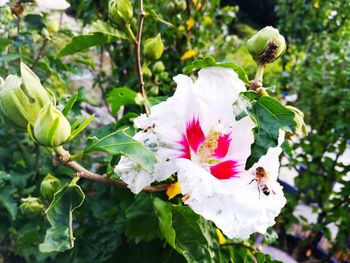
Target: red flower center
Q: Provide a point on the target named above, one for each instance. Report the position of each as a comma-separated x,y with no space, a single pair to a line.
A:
208,150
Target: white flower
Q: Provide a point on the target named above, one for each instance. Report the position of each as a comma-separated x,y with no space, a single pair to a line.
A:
195,134
47,5
4,2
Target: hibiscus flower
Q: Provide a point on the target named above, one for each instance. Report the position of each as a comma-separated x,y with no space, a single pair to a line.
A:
194,134
47,5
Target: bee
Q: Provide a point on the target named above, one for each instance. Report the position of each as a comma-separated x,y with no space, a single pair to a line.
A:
261,178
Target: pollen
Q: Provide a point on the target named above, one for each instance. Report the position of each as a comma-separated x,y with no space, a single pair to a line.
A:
207,149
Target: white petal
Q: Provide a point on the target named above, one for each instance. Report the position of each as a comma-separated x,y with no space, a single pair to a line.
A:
47,5
136,177
234,206
217,89
242,138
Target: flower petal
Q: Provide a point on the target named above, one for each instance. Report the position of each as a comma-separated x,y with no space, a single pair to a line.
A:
136,177
194,134
224,142
234,206
225,170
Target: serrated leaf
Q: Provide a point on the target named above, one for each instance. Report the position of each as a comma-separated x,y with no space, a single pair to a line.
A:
70,103
188,233
120,143
84,42
270,116
59,237
123,96
210,62
102,27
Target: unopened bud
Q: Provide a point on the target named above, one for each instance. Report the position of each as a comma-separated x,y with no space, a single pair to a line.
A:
267,45
153,48
21,99
31,206
120,12
158,67
51,129
53,26
49,186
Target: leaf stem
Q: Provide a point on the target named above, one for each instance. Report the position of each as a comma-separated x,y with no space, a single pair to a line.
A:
137,44
60,158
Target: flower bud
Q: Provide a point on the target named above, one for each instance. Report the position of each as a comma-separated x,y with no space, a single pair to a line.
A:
31,206
153,48
267,45
21,99
120,12
146,72
49,186
53,26
51,128
158,67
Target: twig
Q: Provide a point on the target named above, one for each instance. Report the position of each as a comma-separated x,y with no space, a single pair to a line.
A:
84,173
41,51
137,44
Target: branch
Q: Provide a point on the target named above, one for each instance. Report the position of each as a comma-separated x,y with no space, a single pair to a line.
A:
137,43
41,51
84,173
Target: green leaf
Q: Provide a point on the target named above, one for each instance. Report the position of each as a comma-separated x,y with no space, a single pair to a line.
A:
188,233
270,116
4,42
79,126
142,221
27,239
123,96
210,62
164,213
69,105
9,57
8,202
84,42
120,143
102,27
60,216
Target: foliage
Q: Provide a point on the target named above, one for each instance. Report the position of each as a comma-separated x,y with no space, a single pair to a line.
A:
93,222
316,69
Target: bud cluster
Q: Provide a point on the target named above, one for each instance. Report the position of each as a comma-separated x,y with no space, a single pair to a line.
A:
24,103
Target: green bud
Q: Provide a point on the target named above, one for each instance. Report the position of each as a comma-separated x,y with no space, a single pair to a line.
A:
49,186
158,67
154,91
267,45
163,75
53,26
21,99
51,128
120,11
31,206
146,72
153,48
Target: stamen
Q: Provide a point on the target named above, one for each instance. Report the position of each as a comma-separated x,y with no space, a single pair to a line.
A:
208,147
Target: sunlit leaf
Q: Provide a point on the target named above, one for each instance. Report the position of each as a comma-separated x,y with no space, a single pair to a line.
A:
120,143
84,42
123,96
210,62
